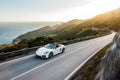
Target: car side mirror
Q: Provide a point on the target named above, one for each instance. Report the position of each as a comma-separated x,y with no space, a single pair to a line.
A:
56,47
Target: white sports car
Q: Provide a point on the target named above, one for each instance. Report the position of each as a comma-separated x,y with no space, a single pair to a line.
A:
50,50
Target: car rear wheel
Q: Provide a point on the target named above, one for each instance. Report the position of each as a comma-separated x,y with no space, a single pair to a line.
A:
51,55
63,50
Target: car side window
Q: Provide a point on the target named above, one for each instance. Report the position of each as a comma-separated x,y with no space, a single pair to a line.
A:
57,46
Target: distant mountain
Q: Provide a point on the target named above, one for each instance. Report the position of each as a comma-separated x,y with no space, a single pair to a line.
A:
36,33
109,20
63,29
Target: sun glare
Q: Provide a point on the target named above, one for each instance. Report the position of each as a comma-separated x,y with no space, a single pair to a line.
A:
87,11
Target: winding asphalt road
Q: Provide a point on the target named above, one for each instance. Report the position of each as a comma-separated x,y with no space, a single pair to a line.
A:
56,68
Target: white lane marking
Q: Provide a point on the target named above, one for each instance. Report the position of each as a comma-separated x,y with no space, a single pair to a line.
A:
17,59
73,72
50,61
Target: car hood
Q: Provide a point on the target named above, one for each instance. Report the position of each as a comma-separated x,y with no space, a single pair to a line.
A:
42,50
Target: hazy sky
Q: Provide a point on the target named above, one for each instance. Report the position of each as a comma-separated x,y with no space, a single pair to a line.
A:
53,10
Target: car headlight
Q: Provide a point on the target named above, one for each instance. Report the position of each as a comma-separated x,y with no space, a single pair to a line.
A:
36,51
46,52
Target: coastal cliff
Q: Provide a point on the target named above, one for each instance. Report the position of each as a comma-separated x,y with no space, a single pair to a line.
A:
110,69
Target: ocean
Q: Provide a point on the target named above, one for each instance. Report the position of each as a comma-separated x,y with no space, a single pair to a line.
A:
10,30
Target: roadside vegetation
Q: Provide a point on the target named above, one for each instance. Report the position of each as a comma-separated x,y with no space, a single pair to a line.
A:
87,32
90,69
27,44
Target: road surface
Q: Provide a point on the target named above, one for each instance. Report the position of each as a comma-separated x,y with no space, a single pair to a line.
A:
56,68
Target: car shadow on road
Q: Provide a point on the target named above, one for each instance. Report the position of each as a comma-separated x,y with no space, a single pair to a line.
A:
55,56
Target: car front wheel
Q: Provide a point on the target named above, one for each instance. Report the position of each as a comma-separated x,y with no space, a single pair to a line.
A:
51,55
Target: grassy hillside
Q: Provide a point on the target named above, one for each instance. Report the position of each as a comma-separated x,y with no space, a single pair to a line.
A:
37,33
65,29
109,20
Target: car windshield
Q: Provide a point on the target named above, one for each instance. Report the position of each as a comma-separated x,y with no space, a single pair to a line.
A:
50,46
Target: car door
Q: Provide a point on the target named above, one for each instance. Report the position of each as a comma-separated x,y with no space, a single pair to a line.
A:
58,50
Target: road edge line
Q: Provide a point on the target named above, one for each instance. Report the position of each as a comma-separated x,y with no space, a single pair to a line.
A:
73,72
17,59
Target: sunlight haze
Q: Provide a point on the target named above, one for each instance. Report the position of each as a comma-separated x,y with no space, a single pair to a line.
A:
53,10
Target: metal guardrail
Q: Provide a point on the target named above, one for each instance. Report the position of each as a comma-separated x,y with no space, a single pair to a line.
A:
80,39
24,51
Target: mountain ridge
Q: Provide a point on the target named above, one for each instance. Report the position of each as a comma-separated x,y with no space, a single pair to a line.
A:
109,20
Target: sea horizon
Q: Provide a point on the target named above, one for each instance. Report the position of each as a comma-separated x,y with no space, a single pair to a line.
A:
11,30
